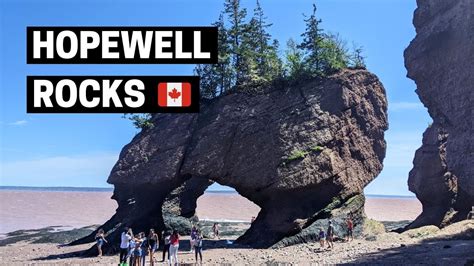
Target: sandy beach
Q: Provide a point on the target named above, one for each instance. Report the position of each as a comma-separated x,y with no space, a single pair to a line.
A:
33,209
429,246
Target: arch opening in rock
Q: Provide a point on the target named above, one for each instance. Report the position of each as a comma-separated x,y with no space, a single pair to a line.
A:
201,201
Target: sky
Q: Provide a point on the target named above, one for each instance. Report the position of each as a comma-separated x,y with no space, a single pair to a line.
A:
80,149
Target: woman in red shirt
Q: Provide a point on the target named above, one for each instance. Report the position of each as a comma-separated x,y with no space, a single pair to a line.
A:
174,246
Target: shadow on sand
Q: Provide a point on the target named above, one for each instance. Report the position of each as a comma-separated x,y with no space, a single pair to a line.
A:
455,249
184,246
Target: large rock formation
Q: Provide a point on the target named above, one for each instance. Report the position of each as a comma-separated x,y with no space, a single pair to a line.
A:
440,60
299,153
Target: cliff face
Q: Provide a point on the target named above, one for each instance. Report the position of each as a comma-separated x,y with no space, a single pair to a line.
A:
440,60
299,153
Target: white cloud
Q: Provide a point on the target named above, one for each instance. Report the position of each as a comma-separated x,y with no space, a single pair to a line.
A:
403,106
80,170
18,123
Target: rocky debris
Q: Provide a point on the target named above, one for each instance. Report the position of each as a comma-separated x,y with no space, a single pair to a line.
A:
420,232
372,228
353,207
463,230
299,153
439,60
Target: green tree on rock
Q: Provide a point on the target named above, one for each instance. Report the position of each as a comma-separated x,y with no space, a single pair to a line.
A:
262,50
357,59
217,78
312,45
238,49
334,54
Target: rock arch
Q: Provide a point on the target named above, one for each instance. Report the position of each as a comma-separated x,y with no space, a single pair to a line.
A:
299,153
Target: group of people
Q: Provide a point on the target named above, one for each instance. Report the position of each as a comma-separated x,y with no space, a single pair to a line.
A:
135,248
328,236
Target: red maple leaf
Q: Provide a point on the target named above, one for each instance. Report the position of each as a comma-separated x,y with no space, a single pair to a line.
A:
174,94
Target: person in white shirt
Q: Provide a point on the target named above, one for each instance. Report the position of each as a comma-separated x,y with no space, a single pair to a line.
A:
124,244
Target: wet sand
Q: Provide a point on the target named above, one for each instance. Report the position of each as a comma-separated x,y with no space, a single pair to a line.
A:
39,209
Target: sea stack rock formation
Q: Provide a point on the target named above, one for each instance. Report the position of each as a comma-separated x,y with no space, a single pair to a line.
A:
441,61
302,153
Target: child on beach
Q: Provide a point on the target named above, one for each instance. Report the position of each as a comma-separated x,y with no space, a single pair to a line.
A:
166,246
198,246
330,235
153,244
215,229
322,237
100,240
350,229
174,246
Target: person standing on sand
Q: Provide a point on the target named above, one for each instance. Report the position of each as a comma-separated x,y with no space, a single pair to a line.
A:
174,246
124,245
100,240
153,244
322,237
215,229
131,251
166,246
330,235
145,248
350,229
198,246
193,237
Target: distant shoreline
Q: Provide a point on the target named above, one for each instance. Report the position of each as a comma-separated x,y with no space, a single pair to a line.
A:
111,189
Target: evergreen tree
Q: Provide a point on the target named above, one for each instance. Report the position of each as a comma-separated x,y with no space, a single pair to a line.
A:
324,53
312,44
140,121
261,38
217,78
294,65
274,62
357,59
209,81
237,28
248,56
253,51
333,54
262,53
223,68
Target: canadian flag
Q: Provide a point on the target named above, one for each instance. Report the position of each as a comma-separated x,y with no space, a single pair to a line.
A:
174,94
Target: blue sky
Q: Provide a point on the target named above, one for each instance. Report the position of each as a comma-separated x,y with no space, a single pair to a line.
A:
80,149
